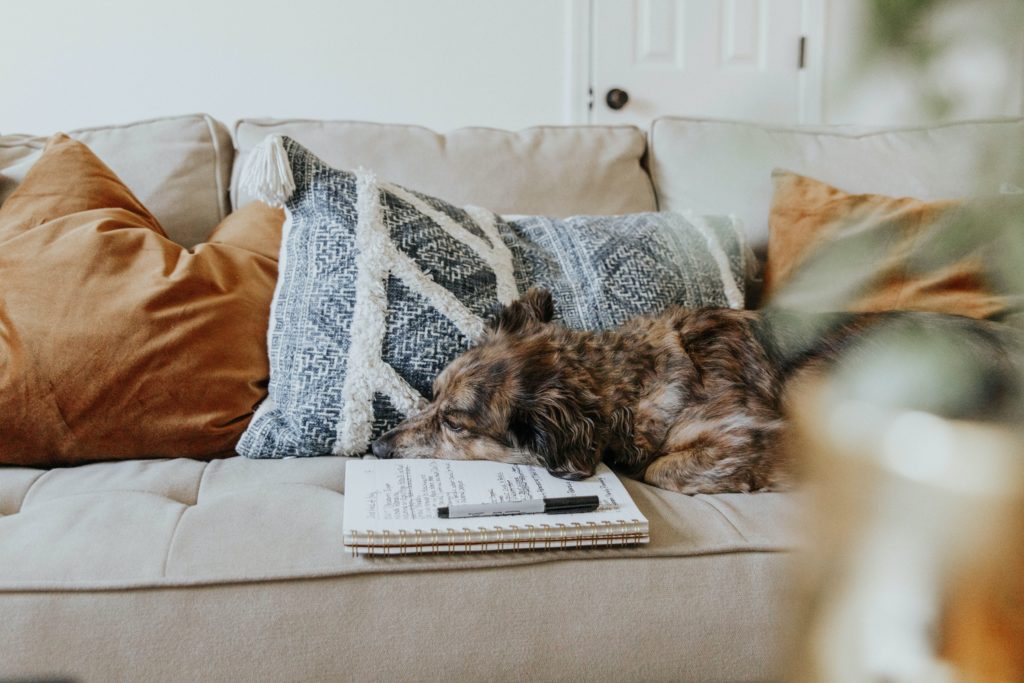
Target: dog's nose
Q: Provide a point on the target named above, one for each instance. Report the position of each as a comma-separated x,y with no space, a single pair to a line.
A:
381,448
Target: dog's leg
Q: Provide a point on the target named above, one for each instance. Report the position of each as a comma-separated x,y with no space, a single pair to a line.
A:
726,456
694,471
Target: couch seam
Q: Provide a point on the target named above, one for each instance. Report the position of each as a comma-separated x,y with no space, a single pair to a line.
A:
218,180
170,543
652,164
24,497
834,130
235,166
723,516
272,122
644,164
329,573
202,478
104,492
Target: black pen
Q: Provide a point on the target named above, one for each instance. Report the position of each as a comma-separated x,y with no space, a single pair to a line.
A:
550,506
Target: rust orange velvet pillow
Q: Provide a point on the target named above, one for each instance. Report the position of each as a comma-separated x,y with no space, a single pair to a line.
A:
115,342
883,237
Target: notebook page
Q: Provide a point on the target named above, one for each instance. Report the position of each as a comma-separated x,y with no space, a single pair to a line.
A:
403,495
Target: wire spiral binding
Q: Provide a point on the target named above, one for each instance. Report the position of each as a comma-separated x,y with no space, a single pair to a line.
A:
515,537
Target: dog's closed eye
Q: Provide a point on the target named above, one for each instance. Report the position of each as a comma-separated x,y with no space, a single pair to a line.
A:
450,422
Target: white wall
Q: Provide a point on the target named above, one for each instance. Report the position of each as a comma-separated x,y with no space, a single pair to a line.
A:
441,63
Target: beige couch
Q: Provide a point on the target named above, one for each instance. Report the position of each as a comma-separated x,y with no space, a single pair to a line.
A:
234,569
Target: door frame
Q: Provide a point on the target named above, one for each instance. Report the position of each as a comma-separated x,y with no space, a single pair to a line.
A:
578,65
580,51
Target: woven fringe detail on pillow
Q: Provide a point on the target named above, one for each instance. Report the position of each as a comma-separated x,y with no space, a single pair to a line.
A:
368,320
267,174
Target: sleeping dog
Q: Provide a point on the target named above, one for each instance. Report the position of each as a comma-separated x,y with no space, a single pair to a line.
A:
690,400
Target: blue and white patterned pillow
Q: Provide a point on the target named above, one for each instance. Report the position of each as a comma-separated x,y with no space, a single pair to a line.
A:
381,287
604,270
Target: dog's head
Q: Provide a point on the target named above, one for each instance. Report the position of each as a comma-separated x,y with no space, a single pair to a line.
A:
512,399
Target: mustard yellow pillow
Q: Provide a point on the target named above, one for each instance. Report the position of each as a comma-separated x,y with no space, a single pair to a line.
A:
115,342
884,238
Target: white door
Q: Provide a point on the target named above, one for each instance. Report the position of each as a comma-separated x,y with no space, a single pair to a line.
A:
736,59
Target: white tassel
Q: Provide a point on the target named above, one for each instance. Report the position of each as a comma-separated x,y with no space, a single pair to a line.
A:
267,174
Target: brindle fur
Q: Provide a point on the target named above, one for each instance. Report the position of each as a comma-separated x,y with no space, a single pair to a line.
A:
690,400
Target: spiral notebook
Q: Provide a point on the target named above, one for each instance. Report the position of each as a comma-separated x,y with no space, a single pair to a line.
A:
391,508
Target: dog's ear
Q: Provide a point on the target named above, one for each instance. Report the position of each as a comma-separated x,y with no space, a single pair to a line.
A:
557,430
535,306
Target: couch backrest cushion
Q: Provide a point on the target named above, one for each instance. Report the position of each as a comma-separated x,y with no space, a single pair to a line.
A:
551,170
179,168
726,167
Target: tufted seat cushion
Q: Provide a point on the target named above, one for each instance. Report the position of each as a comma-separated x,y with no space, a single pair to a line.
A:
146,538
183,522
